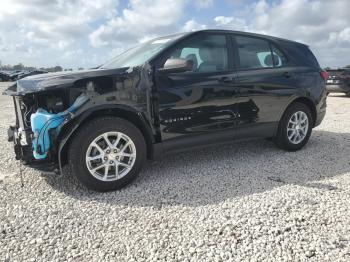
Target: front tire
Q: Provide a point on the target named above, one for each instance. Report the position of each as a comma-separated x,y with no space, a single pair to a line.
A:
107,153
295,127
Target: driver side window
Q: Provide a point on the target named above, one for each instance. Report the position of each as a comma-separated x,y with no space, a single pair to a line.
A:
208,53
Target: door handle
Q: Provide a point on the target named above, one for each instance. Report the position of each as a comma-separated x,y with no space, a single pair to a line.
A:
287,75
226,79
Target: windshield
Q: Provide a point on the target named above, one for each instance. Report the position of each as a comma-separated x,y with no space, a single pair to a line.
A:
141,53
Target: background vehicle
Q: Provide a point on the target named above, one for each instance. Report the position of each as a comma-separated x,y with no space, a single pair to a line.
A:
31,73
4,77
169,94
14,75
339,81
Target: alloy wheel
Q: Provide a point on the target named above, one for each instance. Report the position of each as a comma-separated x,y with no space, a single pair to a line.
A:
297,127
110,156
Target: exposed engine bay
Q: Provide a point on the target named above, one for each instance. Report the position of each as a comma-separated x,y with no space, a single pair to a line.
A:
40,117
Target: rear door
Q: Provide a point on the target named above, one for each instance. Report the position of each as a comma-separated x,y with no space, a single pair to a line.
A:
266,83
203,100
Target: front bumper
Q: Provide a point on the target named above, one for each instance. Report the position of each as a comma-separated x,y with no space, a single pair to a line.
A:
23,151
21,137
20,134
11,134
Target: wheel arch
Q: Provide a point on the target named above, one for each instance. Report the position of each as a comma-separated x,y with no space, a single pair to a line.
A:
304,100
125,112
310,104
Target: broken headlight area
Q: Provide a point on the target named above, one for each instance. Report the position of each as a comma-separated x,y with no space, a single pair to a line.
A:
39,119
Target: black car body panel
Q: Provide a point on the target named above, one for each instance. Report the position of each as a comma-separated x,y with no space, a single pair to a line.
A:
174,110
51,81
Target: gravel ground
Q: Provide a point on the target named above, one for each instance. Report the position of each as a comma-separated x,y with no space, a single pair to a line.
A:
247,201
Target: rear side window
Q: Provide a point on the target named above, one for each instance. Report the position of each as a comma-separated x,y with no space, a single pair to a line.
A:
253,53
300,53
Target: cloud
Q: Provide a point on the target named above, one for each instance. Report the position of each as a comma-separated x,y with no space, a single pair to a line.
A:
139,21
344,35
203,4
231,23
54,20
193,25
79,32
323,25
48,25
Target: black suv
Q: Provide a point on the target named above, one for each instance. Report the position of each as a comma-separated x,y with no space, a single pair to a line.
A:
169,94
4,77
339,81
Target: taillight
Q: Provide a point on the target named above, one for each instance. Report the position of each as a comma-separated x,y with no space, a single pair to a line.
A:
324,75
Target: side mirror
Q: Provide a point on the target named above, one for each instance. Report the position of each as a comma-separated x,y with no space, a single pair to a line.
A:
177,65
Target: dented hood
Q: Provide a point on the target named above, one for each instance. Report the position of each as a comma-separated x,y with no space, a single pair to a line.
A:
49,81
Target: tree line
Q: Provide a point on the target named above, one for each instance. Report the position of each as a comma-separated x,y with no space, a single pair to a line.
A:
22,67
329,68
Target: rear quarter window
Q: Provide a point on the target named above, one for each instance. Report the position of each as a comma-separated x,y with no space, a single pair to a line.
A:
309,56
301,54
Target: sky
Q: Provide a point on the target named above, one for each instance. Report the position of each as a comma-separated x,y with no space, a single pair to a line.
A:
86,33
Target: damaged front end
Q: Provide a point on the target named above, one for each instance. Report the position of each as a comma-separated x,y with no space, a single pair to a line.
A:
39,119
49,108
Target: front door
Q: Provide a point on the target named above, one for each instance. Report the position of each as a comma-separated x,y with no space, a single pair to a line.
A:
203,100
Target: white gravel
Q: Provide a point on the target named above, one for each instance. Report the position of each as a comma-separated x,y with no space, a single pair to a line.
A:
247,201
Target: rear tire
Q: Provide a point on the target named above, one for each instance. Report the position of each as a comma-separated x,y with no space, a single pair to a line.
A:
102,162
295,127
